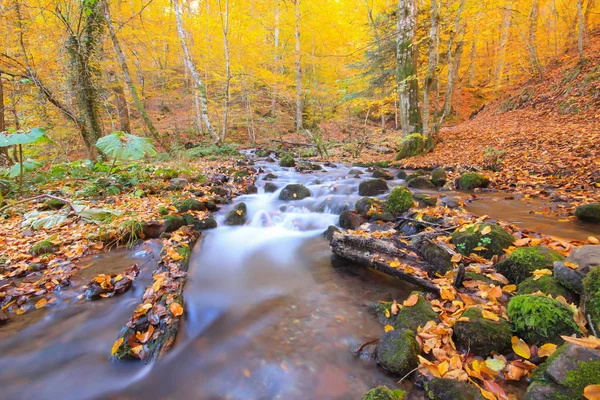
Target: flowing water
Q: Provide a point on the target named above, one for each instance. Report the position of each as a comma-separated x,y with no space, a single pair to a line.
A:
269,315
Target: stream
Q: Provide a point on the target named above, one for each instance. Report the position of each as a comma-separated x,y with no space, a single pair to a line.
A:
268,314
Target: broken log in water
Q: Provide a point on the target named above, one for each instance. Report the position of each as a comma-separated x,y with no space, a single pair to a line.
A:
152,329
374,253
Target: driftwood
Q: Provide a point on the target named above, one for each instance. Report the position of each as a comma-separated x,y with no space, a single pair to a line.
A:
363,250
159,320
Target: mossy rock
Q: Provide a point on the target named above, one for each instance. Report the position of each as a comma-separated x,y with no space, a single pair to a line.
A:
163,210
200,224
420,182
472,180
270,187
482,336
401,174
539,320
238,215
363,206
424,200
438,177
54,204
385,216
588,212
524,260
565,374
372,187
399,201
451,389
355,171
488,245
304,166
269,177
411,145
294,191
242,173
191,205
591,296
382,174
351,220
407,317
383,393
397,352
547,285
43,247
287,161
479,277
173,222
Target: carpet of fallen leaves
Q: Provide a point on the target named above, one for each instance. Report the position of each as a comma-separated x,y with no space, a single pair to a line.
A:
28,280
439,356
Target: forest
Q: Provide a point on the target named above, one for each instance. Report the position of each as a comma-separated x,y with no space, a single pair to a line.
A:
264,199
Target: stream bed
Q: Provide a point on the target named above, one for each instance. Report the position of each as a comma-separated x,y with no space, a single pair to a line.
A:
268,314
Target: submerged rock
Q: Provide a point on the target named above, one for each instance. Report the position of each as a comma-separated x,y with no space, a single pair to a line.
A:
238,215
482,336
294,191
397,352
372,187
270,187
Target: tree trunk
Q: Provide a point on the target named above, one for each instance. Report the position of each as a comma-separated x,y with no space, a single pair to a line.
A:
473,55
3,150
120,102
299,100
406,54
431,72
581,29
276,67
199,84
533,22
127,78
507,20
225,26
198,110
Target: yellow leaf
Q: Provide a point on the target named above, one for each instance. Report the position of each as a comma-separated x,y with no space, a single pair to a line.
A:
388,328
589,342
592,392
547,350
510,288
593,240
387,313
176,309
295,195
411,301
41,303
571,265
118,278
487,395
538,273
395,264
443,367
486,230
520,347
116,346
490,315
456,258
137,349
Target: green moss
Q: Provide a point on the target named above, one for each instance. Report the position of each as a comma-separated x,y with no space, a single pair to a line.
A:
200,225
54,204
173,222
401,174
588,212
397,352
524,260
438,177
420,182
539,320
425,200
538,374
383,393
399,201
287,161
546,284
591,296
408,317
241,173
587,373
43,247
482,336
472,180
489,245
191,205
411,145
163,210
450,389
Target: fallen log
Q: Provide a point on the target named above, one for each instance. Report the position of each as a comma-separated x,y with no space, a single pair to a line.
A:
366,251
152,329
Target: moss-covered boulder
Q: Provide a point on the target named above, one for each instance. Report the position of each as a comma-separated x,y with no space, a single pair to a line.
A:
565,374
470,239
591,296
399,200
546,284
43,247
191,205
173,222
287,161
383,393
397,352
420,182
269,177
238,215
588,212
482,336
305,166
524,260
295,191
401,174
411,145
351,220
472,180
407,317
382,174
372,187
385,216
424,200
200,224
438,177
450,389
539,320
53,204
270,187
367,205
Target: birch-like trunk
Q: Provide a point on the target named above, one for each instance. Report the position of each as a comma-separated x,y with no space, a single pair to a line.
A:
581,30
299,102
533,23
473,55
276,67
192,70
198,111
226,96
379,49
506,23
129,82
408,85
431,78
3,150
120,102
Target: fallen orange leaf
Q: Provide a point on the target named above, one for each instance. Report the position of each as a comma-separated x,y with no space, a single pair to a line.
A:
520,347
